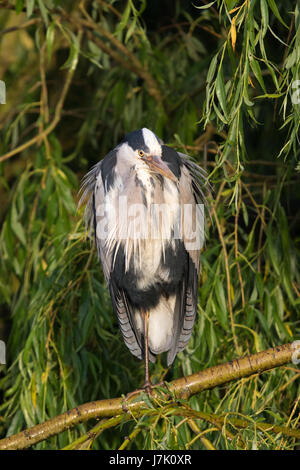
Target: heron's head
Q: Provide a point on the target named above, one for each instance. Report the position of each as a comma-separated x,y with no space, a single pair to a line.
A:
142,149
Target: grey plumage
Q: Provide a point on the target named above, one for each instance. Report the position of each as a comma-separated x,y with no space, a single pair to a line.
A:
152,265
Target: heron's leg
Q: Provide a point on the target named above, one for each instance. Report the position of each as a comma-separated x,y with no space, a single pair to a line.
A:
147,384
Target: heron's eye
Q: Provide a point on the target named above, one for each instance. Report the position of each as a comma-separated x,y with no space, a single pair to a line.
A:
141,153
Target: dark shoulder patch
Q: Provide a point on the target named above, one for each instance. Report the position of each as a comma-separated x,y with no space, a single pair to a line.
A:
170,156
108,169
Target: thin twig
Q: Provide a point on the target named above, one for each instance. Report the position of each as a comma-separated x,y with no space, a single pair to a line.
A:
127,60
200,435
25,25
228,279
236,251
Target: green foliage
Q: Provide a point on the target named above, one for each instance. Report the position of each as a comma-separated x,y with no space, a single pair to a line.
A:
215,80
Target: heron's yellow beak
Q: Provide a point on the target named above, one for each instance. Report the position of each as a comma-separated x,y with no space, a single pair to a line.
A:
159,166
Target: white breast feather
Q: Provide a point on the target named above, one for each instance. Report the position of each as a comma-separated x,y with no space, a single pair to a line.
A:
160,328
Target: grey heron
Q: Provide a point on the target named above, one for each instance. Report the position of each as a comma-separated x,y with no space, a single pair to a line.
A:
146,208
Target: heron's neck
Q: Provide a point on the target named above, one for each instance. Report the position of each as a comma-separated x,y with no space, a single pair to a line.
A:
145,180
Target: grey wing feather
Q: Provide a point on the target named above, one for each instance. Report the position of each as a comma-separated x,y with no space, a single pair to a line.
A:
93,187
198,177
185,312
191,190
86,191
125,318
190,308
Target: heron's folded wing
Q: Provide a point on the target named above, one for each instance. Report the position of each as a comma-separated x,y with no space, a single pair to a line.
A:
97,184
121,305
124,315
185,311
190,186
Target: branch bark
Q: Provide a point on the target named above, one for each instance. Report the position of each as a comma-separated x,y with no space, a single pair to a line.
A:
184,387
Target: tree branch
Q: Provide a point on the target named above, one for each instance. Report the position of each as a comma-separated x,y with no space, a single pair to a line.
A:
127,58
57,113
184,387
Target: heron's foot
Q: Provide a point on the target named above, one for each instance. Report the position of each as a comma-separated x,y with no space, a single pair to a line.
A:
147,387
129,395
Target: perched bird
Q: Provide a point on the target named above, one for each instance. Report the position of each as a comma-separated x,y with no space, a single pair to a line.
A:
146,207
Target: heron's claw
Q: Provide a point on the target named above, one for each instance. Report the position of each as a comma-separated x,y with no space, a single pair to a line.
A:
147,387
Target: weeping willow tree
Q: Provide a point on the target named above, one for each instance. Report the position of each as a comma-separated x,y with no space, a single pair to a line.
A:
217,80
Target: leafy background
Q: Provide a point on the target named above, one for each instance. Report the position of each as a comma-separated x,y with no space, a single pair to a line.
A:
215,80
